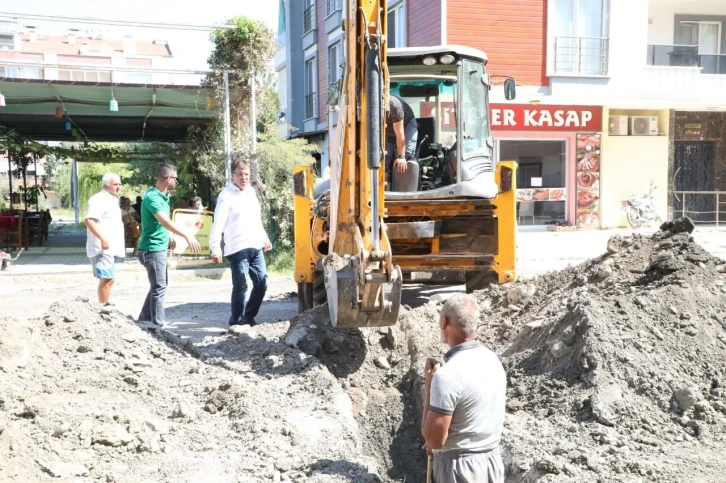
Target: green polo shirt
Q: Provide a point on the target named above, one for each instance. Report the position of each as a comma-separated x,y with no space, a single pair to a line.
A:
154,237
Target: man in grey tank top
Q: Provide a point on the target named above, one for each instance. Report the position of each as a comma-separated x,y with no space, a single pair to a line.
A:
463,414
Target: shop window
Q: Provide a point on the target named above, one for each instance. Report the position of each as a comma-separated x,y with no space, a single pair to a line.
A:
529,169
541,179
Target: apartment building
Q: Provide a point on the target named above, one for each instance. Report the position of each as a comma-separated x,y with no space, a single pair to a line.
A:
26,43
613,95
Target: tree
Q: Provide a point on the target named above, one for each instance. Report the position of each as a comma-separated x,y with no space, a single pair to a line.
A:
249,49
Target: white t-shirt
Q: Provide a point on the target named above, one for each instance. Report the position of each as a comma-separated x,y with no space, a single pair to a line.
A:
238,216
104,208
471,387
126,214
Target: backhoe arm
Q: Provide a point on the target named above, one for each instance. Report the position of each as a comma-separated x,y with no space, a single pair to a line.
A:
363,286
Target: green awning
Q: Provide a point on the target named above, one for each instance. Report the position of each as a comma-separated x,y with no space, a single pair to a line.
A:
145,113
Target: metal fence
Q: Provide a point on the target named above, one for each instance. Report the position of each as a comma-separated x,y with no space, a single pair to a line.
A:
309,19
686,56
703,207
581,55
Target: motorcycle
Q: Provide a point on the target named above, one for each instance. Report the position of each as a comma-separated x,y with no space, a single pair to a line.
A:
641,210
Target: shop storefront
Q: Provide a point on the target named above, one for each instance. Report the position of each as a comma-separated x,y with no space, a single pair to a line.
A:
558,151
698,169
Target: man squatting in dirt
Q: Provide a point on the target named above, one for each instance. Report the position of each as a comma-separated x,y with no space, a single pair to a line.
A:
463,414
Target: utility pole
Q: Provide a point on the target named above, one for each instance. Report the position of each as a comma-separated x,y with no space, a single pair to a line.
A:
253,126
227,130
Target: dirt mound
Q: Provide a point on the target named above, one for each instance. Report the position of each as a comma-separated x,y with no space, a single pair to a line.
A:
86,395
615,373
617,365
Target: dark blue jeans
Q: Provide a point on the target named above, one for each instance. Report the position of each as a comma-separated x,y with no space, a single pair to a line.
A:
248,261
156,268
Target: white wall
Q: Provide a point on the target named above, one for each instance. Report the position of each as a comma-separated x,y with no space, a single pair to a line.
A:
324,155
628,165
661,30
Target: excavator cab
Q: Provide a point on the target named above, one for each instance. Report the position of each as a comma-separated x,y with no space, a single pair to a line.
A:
449,218
447,88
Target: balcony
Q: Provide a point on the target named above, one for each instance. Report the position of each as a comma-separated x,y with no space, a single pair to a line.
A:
686,56
581,56
333,15
308,38
332,6
309,19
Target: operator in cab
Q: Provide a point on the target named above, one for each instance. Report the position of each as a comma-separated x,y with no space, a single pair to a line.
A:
401,135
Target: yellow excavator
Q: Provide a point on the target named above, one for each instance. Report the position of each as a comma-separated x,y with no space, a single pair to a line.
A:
451,217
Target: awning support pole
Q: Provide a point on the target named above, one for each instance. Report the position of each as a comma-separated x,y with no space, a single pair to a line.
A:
227,129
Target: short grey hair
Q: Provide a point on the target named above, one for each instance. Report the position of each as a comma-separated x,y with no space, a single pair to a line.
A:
109,178
462,311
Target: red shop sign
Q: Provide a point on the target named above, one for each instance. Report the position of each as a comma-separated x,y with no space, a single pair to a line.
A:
521,117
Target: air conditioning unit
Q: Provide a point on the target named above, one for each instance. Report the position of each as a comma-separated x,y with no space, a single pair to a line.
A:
618,125
644,126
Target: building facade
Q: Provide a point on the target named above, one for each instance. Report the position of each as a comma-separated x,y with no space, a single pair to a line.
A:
613,95
21,43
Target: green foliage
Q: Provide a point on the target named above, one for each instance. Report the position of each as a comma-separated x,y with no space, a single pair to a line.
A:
280,261
53,165
249,50
276,158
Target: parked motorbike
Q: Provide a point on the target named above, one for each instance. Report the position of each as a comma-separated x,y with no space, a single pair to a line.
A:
641,210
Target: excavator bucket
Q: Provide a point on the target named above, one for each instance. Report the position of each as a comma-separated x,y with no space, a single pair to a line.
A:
353,304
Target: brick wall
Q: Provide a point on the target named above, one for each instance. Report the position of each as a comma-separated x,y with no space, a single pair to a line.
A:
511,32
423,27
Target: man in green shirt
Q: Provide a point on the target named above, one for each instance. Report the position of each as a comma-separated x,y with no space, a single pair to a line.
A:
154,242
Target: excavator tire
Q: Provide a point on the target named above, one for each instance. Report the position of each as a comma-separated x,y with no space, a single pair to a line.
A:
478,280
320,295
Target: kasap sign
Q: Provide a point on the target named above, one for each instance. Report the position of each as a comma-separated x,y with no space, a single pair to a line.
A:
506,117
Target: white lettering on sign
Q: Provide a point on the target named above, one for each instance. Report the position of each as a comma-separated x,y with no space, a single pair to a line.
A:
503,117
559,118
541,118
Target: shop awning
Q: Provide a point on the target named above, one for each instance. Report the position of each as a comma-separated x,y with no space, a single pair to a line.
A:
145,112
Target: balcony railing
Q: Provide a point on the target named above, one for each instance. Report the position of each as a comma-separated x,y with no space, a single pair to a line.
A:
332,6
84,76
12,72
310,105
581,55
686,56
309,19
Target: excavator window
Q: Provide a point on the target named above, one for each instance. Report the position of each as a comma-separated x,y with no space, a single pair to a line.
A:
434,105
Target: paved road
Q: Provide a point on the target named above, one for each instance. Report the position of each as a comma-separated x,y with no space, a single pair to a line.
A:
200,306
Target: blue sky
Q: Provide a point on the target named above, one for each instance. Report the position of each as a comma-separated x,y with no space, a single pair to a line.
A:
190,49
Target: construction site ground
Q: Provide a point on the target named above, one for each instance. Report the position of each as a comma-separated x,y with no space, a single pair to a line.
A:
615,372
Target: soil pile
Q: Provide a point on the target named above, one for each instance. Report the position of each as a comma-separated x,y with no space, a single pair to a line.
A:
86,395
616,367
616,372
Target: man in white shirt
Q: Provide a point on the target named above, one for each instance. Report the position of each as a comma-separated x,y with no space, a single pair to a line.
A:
464,404
105,234
238,217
